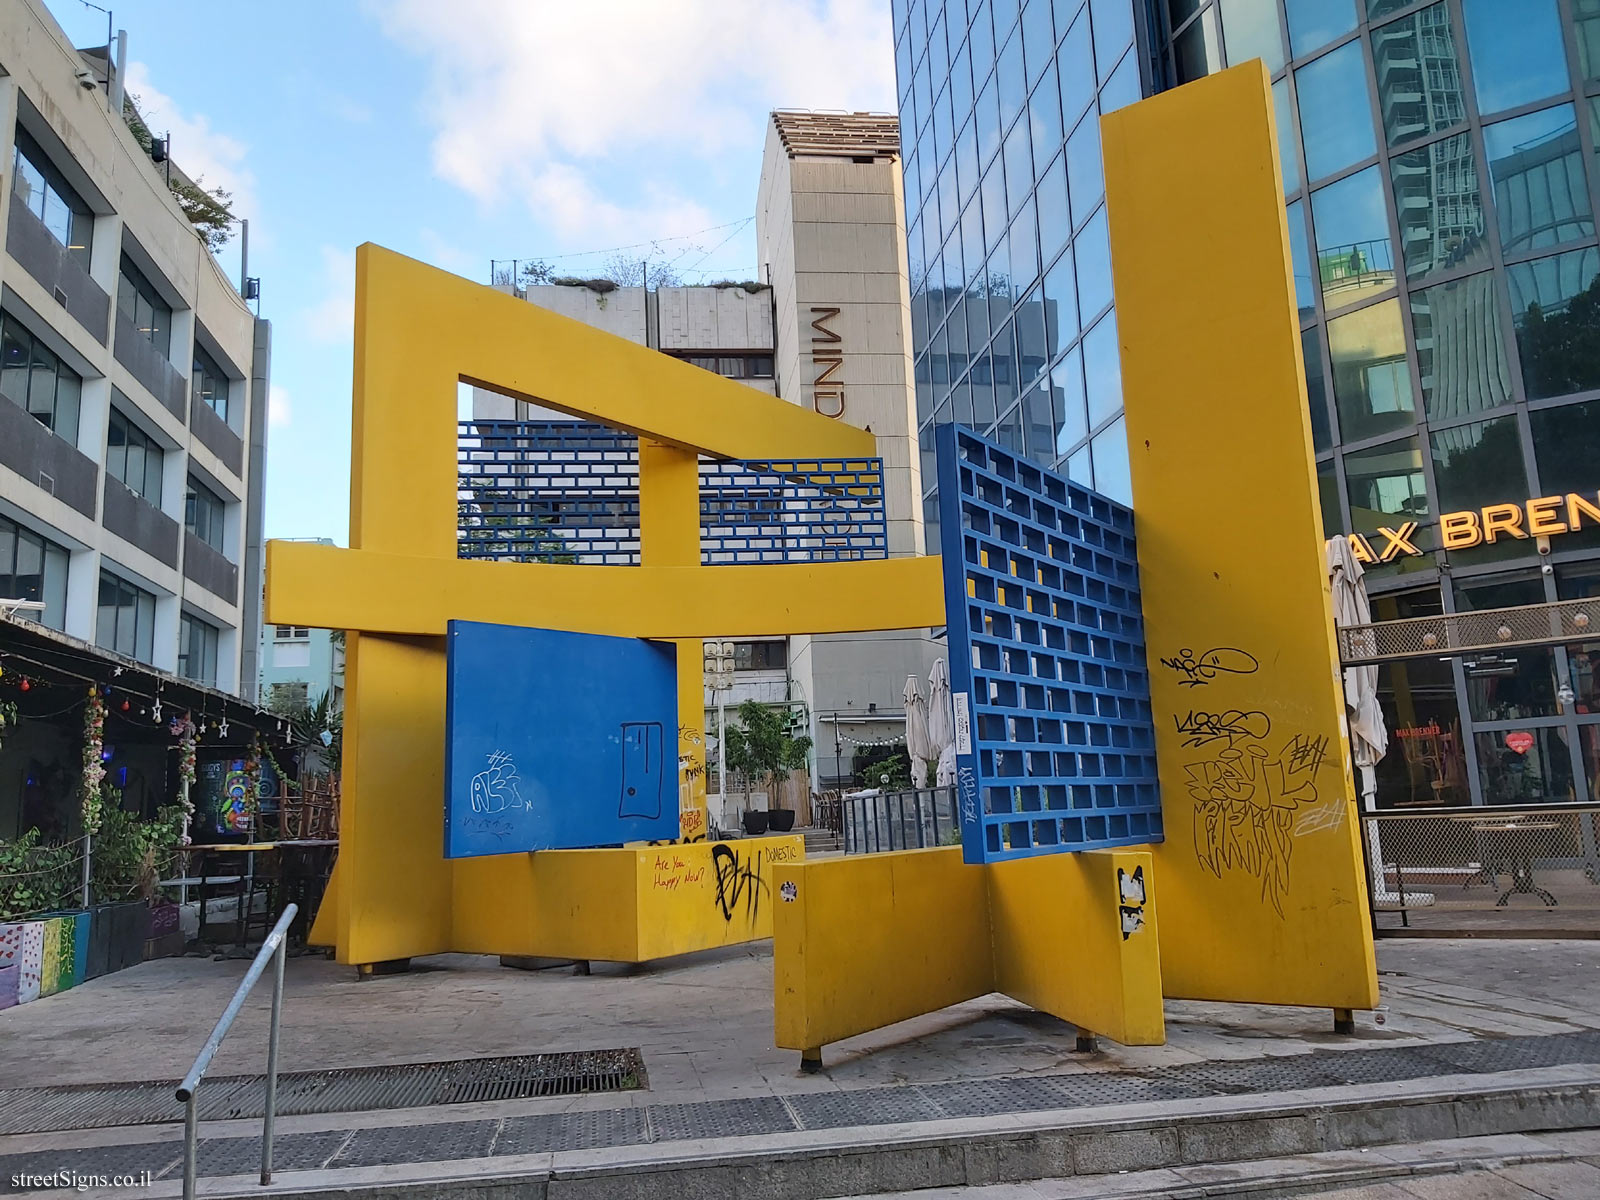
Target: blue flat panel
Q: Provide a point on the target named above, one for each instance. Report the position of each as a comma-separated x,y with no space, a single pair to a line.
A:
557,741
1055,748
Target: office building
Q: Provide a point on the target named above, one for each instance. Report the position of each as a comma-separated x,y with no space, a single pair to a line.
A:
133,383
1438,170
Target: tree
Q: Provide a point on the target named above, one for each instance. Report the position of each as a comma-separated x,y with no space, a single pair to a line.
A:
209,211
626,271
535,540
762,746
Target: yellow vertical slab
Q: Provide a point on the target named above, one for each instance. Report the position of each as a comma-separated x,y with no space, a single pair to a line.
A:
1261,883
394,896
864,941
669,536
1105,974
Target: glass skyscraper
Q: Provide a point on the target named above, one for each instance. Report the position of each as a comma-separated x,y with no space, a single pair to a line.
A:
1440,183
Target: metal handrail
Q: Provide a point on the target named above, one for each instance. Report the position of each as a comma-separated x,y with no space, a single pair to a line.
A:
274,947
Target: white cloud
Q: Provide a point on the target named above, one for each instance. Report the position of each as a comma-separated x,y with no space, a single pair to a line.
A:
442,252
279,410
333,318
207,156
530,99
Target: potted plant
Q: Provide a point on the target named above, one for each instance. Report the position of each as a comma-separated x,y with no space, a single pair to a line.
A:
762,747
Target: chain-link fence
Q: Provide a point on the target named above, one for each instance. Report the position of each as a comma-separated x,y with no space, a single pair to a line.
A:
1485,871
908,820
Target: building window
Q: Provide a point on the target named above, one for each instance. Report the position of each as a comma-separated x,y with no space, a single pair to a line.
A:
142,305
134,458
1541,192
1371,382
32,376
1557,318
733,366
288,697
1516,51
33,568
209,383
197,650
43,192
203,513
760,656
126,621
292,633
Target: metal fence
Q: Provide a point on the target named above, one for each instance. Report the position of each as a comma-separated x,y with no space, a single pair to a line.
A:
1485,872
908,820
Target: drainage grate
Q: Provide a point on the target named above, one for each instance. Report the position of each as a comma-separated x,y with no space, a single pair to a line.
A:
357,1089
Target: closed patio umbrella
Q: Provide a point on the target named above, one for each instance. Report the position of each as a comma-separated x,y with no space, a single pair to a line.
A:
1369,739
941,723
918,744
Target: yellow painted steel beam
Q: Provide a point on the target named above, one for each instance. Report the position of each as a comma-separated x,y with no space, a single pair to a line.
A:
1263,894
332,588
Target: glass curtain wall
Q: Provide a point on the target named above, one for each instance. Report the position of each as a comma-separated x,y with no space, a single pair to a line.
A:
1439,174
1012,322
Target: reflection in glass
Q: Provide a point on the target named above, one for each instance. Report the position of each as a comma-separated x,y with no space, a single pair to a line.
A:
1386,488
1102,370
1009,432
1315,23
1093,250
1038,36
1072,421
1044,118
1354,259
1555,307
1085,181
1478,464
1031,349
1111,475
1113,33
1197,51
1079,468
1018,157
1419,83
1300,258
1250,30
1013,83
1586,19
1566,451
1328,498
1024,247
1441,215
1075,64
1425,764
1542,774
1036,422
1055,217
1541,195
982,380
1335,116
1316,393
1283,115
1060,304
1371,382
1461,350
1516,51
1122,89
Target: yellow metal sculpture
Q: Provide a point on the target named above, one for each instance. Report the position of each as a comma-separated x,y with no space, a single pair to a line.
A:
419,332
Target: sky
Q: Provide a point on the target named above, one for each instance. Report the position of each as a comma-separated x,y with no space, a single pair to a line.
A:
464,132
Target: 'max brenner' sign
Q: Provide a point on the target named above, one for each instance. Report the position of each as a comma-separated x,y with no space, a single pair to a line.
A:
1540,517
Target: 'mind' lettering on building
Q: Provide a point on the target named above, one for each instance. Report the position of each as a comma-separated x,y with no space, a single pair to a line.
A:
827,384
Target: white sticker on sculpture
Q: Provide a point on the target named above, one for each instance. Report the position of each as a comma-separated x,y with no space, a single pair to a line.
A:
963,724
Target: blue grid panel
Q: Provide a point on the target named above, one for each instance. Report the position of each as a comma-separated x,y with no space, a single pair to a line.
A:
563,491
1055,747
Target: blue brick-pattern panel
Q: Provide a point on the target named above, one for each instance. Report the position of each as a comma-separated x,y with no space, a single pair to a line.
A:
1055,746
567,491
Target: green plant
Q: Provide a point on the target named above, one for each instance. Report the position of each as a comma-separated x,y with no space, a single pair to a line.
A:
35,878
130,853
8,718
761,744
870,764
209,211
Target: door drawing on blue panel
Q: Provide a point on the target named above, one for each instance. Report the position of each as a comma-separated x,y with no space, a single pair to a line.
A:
641,770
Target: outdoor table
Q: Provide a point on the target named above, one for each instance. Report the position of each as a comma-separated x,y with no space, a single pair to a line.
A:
248,850
1515,840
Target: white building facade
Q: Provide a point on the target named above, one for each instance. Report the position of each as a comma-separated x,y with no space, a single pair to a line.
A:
133,383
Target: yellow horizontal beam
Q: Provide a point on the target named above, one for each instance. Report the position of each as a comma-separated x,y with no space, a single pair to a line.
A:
328,587
510,346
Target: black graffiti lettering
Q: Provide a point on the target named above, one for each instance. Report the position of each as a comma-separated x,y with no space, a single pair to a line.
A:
1200,669
737,882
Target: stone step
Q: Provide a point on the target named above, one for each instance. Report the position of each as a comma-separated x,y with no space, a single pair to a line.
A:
1220,1143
